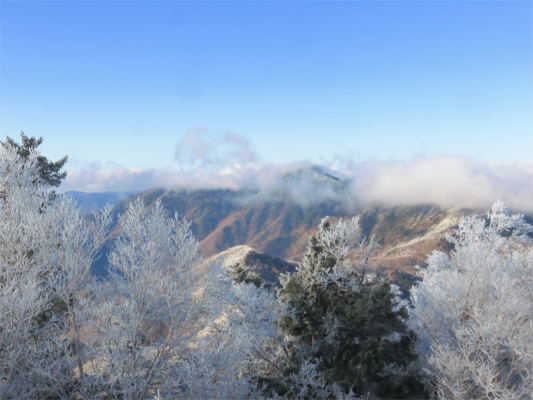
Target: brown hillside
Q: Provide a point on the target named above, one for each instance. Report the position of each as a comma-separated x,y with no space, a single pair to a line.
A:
278,226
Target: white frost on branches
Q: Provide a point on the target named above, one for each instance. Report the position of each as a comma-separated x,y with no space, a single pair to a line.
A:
167,323
473,310
152,329
46,250
341,242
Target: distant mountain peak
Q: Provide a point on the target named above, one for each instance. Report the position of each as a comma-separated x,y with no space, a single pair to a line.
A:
320,172
315,173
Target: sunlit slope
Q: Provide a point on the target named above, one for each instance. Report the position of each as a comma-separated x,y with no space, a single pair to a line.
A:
266,266
223,218
278,224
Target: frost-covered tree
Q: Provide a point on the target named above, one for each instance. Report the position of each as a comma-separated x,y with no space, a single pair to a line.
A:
167,324
142,321
473,311
306,383
49,172
77,243
45,253
348,324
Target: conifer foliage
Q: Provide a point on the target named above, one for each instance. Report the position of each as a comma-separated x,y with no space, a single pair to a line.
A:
242,274
350,324
49,171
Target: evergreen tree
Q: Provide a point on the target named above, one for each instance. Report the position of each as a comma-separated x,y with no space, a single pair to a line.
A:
49,171
348,322
242,274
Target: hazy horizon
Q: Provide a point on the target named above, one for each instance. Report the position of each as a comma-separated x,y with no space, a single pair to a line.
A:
446,181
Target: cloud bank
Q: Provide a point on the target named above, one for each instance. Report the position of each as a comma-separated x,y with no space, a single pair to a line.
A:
209,160
446,181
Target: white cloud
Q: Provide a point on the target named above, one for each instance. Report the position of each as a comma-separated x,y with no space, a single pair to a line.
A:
201,148
447,181
193,146
208,159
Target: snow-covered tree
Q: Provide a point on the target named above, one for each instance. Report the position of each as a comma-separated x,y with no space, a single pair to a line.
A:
77,243
343,323
46,250
49,172
473,311
306,383
167,324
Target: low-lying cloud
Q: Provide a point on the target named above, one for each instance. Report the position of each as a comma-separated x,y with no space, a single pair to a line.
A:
209,160
447,181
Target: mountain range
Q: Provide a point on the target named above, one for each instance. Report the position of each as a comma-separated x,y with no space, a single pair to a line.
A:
90,202
274,226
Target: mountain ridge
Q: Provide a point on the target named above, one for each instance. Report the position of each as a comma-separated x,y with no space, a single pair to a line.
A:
277,225
280,227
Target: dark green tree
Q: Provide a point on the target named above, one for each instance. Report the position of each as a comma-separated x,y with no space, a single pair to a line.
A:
242,274
348,322
49,171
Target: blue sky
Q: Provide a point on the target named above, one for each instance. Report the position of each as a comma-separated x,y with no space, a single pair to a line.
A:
118,84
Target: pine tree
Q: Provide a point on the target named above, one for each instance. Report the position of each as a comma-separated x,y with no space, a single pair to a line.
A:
348,322
242,274
49,171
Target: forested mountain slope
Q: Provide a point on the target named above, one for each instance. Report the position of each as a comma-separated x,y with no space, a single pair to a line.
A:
279,225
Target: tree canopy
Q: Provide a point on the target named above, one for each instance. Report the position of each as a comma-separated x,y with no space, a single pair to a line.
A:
473,311
348,323
165,324
49,171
